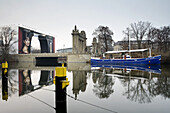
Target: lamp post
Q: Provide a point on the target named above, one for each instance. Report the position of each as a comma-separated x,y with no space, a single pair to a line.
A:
63,47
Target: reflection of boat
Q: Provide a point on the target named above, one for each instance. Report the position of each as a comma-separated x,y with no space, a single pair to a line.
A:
148,68
127,61
131,77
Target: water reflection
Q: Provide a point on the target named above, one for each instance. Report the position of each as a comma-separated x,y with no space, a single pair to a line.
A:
144,90
148,68
138,90
46,78
60,94
138,84
79,82
102,84
25,82
21,82
4,86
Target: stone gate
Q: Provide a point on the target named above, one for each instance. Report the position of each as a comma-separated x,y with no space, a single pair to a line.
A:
79,41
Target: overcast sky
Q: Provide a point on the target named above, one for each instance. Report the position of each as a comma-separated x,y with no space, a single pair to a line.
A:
58,17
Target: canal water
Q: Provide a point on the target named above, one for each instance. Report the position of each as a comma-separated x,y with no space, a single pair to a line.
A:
103,89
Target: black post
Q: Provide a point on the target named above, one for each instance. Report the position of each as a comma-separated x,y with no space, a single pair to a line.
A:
61,103
5,81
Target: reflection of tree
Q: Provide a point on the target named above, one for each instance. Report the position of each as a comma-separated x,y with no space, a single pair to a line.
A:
103,86
162,87
12,85
140,86
95,76
143,90
138,91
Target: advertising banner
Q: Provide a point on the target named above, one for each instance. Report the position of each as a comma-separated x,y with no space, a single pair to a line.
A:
25,37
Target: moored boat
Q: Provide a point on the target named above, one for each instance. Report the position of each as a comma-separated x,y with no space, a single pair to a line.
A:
151,60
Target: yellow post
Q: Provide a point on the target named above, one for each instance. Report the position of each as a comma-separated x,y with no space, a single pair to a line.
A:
60,71
5,96
5,65
5,81
62,64
54,80
65,83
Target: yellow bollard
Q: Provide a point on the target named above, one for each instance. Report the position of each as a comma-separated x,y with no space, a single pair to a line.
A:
5,96
61,76
5,65
60,71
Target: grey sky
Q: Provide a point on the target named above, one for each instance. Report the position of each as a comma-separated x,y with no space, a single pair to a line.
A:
58,17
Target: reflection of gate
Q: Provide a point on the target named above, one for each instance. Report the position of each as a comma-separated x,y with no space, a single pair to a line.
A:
46,78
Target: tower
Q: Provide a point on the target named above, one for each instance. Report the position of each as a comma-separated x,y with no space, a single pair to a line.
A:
94,47
79,41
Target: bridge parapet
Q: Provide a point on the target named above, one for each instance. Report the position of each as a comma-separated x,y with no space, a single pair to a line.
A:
29,60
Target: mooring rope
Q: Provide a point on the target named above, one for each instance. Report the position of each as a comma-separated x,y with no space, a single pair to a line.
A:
84,101
90,103
31,95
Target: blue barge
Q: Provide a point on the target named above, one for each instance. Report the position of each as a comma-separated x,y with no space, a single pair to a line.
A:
154,60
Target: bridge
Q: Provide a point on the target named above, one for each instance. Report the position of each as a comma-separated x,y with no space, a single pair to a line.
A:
29,61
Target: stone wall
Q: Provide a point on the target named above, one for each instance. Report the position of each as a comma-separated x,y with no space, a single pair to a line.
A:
78,58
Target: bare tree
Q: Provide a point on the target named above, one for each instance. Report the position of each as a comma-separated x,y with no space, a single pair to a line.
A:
104,35
166,37
161,37
155,35
126,39
138,31
8,39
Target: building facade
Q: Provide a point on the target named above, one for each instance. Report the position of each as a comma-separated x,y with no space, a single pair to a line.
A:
133,44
